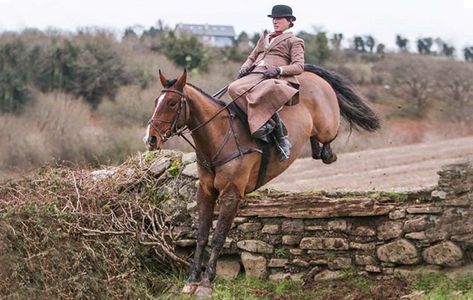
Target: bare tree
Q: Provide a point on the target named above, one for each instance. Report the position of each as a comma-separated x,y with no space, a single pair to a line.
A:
455,79
412,78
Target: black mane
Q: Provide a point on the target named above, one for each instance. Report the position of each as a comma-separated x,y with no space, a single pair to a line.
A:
217,101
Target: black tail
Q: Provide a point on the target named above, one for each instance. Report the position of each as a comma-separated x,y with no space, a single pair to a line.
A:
352,107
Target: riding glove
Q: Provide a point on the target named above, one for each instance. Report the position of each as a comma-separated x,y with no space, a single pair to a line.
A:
243,72
272,73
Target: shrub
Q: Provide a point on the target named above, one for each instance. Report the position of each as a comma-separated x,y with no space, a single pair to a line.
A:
185,51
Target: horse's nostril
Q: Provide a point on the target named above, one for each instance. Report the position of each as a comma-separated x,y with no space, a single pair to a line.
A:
152,140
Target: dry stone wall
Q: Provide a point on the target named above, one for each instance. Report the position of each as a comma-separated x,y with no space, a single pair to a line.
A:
317,236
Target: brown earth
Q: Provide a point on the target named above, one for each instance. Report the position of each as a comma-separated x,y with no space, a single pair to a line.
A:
405,168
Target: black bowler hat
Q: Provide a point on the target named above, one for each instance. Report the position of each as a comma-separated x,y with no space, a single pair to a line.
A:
282,11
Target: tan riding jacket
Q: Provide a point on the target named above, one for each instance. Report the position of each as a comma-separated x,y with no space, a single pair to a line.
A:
285,51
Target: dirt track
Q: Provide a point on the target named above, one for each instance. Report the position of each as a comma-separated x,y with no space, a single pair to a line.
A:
411,167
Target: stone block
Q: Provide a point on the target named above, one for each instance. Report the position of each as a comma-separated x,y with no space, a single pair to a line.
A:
443,254
424,209
363,260
314,228
373,269
340,263
363,231
255,246
249,227
337,225
291,239
278,276
270,228
239,220
296,251
400,252
420,235
254,265
397,214
362,246
416,224
328,275
278,262
316,243
300,262
390,230
228,268
292,226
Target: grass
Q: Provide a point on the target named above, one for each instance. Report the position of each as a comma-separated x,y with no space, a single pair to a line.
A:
247,289
439,286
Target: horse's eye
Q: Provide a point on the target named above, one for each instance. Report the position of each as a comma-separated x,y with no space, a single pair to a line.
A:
172,104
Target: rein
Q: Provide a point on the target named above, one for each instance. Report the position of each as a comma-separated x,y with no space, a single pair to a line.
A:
173,130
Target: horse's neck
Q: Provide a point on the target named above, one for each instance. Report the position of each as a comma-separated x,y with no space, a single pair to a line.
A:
209,137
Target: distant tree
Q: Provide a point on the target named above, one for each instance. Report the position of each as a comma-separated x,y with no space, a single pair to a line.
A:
317,50
468,53
57,67
255,38
186,51
447,50
243,37
359,44
14,63
411,78
370,43
336,41
402,43
380,48
456,82
424,45
129,33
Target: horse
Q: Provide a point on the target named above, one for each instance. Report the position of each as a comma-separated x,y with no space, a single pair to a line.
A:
229,158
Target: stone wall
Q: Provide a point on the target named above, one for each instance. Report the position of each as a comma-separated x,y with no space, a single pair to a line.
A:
318,235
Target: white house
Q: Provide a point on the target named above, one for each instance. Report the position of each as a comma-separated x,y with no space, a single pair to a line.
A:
211,35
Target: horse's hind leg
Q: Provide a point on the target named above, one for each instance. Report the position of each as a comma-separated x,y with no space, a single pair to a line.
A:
205,204
327,155
229,200
315,146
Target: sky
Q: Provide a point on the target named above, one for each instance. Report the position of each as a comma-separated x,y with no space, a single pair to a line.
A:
451,20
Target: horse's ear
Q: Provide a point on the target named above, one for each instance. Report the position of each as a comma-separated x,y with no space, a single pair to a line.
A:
181,82
162,78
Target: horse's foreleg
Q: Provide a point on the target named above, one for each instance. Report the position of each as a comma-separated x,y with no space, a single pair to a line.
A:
205,205
229,200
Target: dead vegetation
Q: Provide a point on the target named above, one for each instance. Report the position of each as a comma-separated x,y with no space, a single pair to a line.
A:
71,233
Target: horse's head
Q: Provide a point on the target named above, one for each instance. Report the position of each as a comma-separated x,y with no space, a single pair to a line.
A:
170,112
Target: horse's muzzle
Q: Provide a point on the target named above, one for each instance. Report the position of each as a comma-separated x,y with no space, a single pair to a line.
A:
152,143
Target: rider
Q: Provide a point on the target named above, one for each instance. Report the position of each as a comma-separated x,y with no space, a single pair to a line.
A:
277,57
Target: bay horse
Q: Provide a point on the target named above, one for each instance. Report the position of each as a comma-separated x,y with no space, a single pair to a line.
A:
229,159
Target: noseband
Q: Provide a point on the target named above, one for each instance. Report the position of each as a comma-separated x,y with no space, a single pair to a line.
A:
173,130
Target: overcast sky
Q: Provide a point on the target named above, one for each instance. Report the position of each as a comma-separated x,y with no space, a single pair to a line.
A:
451,20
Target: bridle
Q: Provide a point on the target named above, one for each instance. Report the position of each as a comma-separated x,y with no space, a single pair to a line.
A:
173,129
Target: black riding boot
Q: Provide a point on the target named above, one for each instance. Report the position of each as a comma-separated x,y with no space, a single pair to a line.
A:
282,142
263,132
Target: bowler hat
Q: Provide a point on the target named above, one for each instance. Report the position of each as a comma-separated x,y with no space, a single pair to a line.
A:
282,11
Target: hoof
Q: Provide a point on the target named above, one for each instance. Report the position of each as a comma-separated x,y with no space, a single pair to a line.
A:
203,291
189,288
330,160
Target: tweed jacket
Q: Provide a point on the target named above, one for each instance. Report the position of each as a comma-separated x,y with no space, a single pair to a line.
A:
285,51
259,98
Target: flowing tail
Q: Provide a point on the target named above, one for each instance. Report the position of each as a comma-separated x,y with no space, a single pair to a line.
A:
352,108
